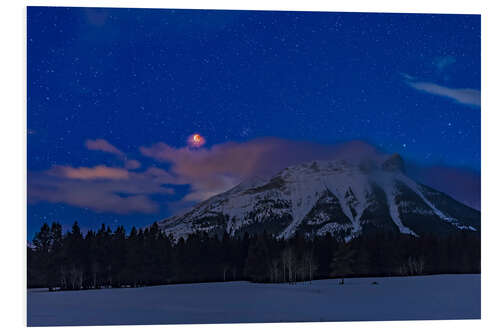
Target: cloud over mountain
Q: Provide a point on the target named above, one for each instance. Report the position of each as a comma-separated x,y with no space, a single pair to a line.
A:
132,188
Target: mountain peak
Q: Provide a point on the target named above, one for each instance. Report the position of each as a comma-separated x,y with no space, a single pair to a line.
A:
394,163
339,197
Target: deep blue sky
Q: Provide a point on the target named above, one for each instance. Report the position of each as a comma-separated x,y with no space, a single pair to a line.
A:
136,77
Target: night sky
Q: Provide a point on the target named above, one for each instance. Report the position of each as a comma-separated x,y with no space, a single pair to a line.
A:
114,95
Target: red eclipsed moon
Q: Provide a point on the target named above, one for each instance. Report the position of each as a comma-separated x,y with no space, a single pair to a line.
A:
196,140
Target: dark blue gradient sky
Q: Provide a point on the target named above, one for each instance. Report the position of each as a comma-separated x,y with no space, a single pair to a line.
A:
136,77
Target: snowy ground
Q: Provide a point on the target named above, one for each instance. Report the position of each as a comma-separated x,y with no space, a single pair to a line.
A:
397,298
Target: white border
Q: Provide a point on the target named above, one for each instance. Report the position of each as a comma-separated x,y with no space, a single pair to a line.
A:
422,6
13,163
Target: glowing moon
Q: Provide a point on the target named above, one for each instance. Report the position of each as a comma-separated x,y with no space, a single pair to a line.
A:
196,140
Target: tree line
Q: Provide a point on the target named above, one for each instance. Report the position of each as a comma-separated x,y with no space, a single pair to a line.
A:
112,258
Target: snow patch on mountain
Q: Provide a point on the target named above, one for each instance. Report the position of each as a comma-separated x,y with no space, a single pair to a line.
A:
416,188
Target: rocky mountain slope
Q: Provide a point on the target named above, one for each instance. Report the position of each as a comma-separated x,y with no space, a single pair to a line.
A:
338,197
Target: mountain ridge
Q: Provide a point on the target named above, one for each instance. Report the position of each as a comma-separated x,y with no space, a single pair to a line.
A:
341,197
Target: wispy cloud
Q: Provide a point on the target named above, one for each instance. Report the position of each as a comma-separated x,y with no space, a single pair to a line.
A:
101,189
97,172
464,96
132,164
442,63
104,146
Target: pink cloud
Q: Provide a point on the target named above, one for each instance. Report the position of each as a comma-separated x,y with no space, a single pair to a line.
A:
100,188
97,172
132,164
219,168
92,198
103,145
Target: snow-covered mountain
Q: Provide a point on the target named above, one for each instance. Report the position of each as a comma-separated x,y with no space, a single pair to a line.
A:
338,197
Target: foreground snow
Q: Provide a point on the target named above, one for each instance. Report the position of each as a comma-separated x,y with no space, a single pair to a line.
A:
395,298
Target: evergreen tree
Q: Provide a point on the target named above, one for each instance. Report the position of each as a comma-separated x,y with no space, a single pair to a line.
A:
343,261
257,262
41,254
56,256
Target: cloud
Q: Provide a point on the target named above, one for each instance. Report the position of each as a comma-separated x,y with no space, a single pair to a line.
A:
100,188
219,168
132,164
442,62
407,76
212,171
97,172
462,184
207,172
103,145
463,96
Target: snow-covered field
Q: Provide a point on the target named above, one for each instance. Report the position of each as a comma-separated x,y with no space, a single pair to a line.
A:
396,298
